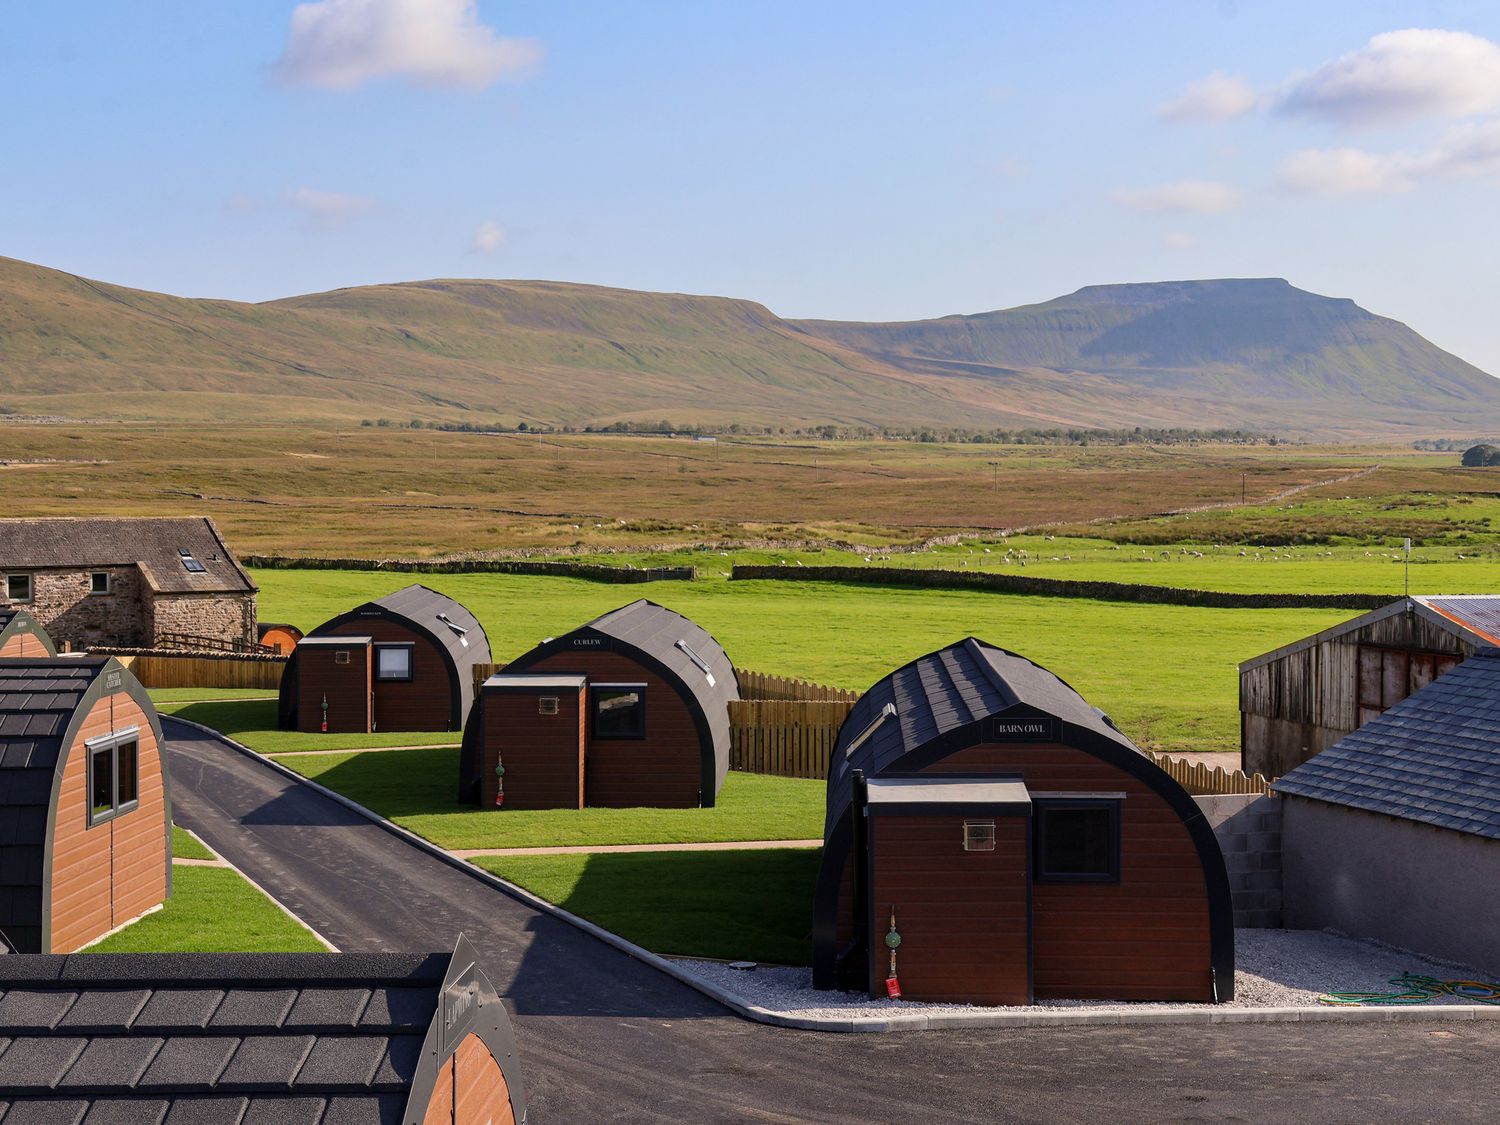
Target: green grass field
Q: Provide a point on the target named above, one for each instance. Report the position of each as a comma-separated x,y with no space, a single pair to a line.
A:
253,722
163,696
751,905
418,789
185,846
1166,674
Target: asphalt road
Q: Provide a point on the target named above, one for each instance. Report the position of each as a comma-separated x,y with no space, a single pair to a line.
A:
605,1038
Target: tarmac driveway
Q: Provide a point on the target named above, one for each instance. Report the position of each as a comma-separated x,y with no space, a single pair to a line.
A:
605,1038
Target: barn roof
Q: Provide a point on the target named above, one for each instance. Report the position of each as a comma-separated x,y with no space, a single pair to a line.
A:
939,693
1433,758
162,549
39,697
1472,618
315,1038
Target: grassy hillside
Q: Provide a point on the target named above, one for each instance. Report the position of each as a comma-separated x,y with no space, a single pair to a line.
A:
1256,355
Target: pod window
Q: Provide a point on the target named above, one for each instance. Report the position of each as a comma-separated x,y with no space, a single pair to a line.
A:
114,777
393,663
1077,841
619,710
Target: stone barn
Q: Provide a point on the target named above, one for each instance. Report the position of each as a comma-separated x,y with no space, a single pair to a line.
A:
631,709
1393,833
1304,697
20,635
267,1038
128,583
85,802
401,662
1014,846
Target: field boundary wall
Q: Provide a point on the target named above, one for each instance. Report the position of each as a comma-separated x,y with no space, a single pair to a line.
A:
594,572
1056,587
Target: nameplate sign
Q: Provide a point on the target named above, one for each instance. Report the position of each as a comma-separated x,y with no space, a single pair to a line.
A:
460,1010
113,680
1039,728
588,642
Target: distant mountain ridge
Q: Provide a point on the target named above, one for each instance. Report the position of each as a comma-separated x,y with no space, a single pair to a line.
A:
1255,354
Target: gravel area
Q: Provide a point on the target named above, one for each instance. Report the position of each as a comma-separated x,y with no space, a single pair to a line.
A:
1276,969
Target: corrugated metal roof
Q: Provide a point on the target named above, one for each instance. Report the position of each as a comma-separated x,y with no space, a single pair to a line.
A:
1479,613
941,692
38,698
322,1038
1433,758
155,545
1474,618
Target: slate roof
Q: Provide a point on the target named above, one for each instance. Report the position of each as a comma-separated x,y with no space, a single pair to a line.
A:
152,544
213,1038
941,692
38,698
1433,758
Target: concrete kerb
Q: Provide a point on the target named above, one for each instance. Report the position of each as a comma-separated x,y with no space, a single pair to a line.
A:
897,1021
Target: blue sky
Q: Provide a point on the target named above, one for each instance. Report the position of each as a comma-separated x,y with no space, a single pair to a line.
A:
864,160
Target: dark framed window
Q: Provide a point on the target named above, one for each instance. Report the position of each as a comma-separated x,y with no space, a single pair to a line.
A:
18,587
99,582
393,663
1076,841
619,710
114,776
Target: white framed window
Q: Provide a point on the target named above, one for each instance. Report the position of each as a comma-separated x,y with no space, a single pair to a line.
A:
99,582
18,587
393,663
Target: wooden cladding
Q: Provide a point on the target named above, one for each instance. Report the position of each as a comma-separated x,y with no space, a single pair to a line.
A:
344,685
1388,675
423,699
542,752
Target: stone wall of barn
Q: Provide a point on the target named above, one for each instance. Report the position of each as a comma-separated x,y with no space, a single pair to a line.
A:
62,602
226,617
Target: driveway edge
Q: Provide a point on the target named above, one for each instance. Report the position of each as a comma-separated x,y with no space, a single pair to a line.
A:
1061,1017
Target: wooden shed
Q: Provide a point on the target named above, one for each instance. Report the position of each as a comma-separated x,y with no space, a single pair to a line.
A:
655,691
225,1038
278,635
1017,845
85,802
1302,698
20,635
420,647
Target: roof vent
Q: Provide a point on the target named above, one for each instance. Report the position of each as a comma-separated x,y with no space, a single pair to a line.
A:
886,712
698,661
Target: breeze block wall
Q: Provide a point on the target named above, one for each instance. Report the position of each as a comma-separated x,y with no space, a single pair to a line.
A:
1248,828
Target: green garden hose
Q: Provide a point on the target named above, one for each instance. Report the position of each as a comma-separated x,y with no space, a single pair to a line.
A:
1416,989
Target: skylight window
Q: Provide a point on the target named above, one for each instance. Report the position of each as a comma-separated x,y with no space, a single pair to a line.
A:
698,661
886,712
458,630
190,564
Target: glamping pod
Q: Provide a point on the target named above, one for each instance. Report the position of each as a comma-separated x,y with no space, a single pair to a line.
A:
401,662
20,635
315,1038
631,709
278,635
1000,841
85,805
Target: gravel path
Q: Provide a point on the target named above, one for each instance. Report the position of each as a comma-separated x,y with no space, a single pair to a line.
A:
1276,969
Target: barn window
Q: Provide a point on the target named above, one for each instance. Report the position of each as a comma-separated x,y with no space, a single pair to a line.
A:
18,587
99,582
114,776
619,710
1077,841
393,663
547,705
979,835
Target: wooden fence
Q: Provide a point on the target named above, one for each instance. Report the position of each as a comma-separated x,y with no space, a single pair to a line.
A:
785,737
764,685
157,671
1200,779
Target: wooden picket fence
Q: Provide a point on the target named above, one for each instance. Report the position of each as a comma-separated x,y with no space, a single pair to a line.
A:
160,671
764,685
785,737
1200,779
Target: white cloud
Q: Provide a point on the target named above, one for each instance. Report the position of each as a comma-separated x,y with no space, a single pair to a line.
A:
330,210
1179,240
1202,197
488,238
1401,76
341,44
1462,152
1219,97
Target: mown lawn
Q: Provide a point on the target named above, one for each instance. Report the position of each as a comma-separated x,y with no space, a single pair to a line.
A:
732,905
1167,674
162,696
185,846
212,910
418,790
253,722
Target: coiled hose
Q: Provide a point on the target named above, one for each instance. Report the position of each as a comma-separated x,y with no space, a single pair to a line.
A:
1416,989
